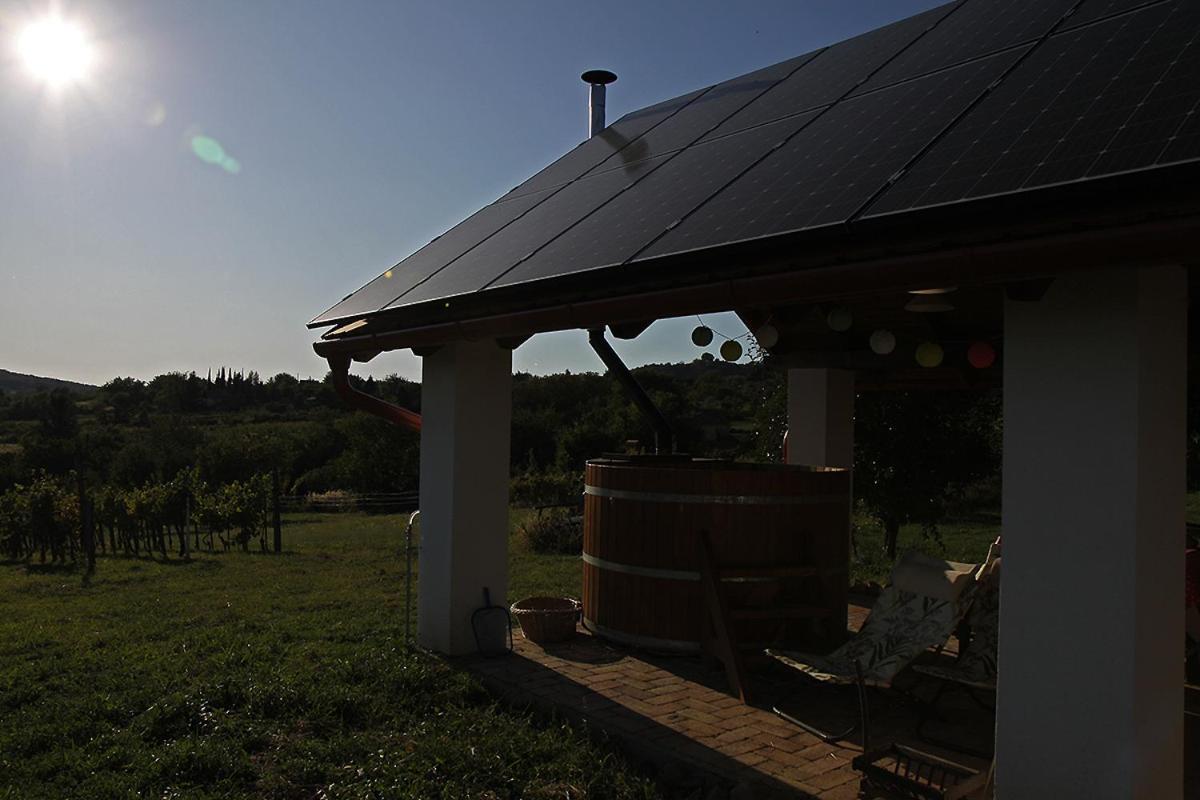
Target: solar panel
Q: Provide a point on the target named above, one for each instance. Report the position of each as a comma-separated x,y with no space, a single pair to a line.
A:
710,108
619,140
964,101
620,229
975,28
835,71
1092,10
432,257
517,241
829,169
1101,99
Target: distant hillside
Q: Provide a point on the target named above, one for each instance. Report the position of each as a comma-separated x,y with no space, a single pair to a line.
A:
16,382
698,368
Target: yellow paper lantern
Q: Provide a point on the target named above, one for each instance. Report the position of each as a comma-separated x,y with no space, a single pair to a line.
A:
702,336
930,354
731,350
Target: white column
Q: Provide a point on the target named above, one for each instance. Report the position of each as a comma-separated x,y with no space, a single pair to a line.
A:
466,419
1090,701
821,417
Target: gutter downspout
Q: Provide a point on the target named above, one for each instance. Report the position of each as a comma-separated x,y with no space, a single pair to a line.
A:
664,437
340,367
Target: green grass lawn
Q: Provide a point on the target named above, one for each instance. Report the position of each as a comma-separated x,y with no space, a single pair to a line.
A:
245,675
964,539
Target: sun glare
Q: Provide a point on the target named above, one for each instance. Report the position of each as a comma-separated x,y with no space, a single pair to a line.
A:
55,51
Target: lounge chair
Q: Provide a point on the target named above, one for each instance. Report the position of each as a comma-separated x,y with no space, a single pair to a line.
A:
975,668
921,607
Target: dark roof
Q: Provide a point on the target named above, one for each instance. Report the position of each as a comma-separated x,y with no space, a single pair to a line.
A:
997,107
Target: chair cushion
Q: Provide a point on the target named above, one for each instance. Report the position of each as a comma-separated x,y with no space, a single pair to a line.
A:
900,627
927,576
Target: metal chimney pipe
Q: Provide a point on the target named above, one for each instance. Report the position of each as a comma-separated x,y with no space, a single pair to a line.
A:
596,79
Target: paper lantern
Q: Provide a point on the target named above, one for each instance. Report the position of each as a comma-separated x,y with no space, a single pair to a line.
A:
767,336
731,350
840,319
882,342
930,354
702,336
981,355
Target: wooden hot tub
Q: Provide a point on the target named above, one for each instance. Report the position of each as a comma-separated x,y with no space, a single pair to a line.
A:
780,537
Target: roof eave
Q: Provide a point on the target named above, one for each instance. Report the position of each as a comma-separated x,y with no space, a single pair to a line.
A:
813,278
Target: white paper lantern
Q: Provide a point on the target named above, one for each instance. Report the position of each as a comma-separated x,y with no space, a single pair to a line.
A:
767,336
882,342
840,319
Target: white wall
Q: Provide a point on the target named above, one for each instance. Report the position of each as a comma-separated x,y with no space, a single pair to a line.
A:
466,410
1091,650
821,417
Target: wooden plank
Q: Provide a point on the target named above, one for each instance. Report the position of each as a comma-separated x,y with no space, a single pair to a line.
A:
768,572
722,645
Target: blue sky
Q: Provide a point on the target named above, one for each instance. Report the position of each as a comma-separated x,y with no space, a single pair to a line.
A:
360,130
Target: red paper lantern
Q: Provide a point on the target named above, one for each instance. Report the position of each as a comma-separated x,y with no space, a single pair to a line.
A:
981,355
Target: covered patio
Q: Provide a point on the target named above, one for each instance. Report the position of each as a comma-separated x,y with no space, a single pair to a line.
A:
1039,159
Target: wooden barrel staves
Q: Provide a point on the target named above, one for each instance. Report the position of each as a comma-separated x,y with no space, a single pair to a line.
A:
780,537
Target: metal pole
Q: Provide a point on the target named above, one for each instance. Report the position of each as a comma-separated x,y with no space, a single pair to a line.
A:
596,79
664,437
408,551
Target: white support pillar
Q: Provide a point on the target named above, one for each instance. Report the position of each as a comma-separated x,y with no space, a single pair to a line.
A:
821,417
466,411
1090,701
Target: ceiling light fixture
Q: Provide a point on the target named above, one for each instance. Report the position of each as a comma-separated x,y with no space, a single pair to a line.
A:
927,303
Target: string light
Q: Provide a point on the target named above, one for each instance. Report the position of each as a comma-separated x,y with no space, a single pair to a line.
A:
731,349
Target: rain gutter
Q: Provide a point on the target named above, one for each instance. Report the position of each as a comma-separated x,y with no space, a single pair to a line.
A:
339,365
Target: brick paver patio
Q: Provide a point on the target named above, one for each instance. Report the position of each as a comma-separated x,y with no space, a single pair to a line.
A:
675,716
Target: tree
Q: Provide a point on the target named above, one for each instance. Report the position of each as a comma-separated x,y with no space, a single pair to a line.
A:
51,445
913,450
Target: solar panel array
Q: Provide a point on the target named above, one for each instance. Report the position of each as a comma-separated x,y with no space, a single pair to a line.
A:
1101,99
968,100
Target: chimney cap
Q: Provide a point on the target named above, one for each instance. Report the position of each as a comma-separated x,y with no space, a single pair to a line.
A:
598,76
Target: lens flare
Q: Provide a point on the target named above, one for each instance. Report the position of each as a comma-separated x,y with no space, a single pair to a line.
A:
56,51
207,149
210,151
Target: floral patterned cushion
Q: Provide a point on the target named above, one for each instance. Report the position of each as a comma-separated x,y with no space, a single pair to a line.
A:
900,627
976,664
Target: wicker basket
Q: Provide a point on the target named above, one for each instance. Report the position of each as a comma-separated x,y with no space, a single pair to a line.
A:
546,619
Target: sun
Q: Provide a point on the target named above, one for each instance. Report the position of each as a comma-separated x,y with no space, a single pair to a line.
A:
56,51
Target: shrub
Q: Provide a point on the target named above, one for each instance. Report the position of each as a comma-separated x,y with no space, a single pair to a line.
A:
532,489
554,531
